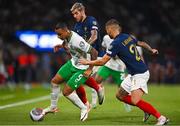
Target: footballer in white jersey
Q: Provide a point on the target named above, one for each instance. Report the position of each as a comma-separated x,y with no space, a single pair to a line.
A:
72,73
114,68
114,63
78,48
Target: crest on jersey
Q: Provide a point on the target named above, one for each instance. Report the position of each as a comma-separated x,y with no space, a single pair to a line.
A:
82,44
85,28
94,23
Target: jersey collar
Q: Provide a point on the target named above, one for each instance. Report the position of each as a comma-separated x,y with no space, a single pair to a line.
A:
117,35
69,38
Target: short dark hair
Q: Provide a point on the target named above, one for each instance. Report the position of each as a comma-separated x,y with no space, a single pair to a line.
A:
61,25
112,22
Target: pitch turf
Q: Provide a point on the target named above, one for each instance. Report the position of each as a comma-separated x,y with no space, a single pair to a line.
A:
165,98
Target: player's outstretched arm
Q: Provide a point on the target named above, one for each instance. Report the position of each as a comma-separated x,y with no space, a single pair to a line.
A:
57,47
148,47
98,62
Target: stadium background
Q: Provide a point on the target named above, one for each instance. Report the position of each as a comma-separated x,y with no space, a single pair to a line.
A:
155,21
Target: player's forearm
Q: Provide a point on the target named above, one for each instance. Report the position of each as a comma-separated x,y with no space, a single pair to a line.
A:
145,45
93,37
98,62
94,55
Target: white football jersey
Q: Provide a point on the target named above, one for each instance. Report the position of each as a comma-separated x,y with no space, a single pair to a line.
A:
114,63
78,48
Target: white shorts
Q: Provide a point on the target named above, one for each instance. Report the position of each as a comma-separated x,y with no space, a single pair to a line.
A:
137,81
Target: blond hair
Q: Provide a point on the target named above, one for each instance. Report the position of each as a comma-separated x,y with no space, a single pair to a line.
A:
78,6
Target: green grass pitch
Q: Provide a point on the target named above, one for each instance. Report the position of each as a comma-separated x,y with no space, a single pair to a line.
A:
165,98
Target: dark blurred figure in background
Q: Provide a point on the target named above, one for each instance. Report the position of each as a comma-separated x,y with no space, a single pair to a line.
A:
157,71
32,67
23,65
170,73
3,73
8,61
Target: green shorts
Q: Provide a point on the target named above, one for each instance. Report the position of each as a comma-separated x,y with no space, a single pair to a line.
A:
106,72
73,76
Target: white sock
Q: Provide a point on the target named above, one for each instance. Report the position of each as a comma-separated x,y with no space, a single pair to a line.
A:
94,97
55,95
73,97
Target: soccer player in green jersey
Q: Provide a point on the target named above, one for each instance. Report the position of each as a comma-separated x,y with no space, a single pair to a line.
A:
72,73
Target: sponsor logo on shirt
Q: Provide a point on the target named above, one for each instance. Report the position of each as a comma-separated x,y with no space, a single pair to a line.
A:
82,44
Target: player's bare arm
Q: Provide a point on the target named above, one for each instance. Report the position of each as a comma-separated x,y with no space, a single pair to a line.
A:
94,55
98,62
57,47
93,37
63,45
148,47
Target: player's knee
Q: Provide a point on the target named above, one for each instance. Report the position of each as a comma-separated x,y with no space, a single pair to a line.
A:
98,79
65,93
134,101
119,97
53,81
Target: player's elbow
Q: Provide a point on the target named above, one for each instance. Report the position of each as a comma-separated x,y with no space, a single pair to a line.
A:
141,43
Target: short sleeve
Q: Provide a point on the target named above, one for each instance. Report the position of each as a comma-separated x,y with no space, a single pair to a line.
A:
93,24
134,39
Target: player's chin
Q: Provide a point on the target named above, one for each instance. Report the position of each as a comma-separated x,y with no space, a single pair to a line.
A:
78,20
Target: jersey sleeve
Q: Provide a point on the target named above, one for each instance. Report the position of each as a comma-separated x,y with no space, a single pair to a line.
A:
134,39
113,49
93,24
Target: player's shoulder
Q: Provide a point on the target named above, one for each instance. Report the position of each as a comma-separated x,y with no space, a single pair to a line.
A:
75,35
92,20
124,35
106,38
121,36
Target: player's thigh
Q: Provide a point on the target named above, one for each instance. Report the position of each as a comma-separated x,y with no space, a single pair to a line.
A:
118,77
126,84
57,79
65,71
121,93
139,81
102,74
76,80
67,90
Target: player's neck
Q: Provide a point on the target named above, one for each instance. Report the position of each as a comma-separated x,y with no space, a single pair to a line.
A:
115,34
69,36
84,17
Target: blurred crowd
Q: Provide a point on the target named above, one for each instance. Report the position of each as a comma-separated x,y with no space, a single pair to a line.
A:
156,22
